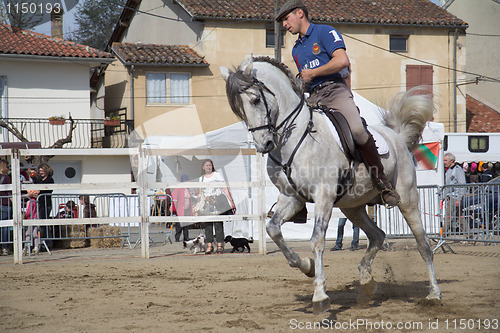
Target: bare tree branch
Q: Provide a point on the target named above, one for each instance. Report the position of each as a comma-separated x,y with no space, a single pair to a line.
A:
12,129
39,159
61,142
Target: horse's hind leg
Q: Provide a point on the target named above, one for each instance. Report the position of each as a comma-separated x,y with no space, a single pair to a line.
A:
376,238
412,216
287,207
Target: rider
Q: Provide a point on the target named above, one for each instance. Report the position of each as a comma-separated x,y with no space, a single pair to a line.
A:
321,58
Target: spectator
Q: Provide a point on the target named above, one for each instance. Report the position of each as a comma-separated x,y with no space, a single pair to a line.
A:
88,208
473,176
69,212
454,175
340,236
217,200
45,199
24,174
5,206
181,206
32,214
488,173
88,212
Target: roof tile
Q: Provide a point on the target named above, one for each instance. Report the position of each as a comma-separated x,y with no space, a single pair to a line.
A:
24,42
157,54
481,118
392,12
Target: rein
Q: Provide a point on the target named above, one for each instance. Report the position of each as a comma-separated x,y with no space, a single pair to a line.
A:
270,126
274,129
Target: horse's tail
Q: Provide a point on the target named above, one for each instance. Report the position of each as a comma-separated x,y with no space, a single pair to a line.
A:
408,115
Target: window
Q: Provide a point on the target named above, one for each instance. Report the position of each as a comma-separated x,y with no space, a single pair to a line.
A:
398,43
418,75
479,144
167,88
270,38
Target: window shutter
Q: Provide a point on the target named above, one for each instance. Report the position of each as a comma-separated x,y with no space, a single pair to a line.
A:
417,75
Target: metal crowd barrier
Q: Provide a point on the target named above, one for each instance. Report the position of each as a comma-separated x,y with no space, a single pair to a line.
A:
469,213
394,224
6,238
74,226
159,205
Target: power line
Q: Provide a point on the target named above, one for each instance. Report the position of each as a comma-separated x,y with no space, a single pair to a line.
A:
419,60
83,99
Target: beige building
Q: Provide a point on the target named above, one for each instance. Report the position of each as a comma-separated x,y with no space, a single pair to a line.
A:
483,62
168,55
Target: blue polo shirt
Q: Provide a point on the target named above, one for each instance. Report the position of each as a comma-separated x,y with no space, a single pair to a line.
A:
315,49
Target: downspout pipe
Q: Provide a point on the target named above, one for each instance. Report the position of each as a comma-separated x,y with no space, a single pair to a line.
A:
455,37
131,71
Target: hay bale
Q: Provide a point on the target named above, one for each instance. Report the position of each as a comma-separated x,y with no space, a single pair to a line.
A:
77,231
102,231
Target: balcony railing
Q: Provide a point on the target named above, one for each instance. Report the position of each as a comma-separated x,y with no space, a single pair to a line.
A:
87,133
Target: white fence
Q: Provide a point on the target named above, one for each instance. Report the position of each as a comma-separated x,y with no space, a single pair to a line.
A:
474,224
144,220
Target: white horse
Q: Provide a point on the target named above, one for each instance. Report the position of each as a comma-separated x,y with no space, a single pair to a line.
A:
306,164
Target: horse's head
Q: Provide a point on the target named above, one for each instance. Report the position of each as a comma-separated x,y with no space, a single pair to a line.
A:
254,102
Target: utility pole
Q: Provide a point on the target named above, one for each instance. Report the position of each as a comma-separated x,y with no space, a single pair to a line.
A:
277,32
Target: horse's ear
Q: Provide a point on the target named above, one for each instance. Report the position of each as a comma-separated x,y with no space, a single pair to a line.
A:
247,66
224,72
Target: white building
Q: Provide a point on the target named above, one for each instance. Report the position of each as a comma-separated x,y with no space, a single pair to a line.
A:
41,77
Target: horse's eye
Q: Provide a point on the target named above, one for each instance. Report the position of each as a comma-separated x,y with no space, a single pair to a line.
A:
256,100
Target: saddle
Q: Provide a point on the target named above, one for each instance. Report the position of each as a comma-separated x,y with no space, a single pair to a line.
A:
346,177
344,131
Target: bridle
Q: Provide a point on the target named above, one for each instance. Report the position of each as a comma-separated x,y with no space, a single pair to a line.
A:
274,130
270,126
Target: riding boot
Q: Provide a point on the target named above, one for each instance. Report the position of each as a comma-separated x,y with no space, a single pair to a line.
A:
371,158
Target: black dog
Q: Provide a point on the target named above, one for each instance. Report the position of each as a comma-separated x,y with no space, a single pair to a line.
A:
238,244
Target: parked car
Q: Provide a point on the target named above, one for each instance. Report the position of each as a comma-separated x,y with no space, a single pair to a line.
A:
482,206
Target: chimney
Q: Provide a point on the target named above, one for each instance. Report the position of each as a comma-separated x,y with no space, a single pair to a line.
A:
56,20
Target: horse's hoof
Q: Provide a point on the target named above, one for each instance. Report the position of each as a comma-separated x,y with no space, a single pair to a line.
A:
321,306
434,298
386,246
307,267
429,302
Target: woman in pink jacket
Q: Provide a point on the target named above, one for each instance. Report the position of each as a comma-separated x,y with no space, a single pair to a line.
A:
181,206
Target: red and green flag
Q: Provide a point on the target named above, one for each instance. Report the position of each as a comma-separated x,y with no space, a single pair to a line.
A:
427,155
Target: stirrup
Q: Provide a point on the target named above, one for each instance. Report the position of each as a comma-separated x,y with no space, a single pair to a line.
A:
390,192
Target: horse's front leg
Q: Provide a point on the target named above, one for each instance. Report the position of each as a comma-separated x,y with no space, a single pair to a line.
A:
286,208
323,211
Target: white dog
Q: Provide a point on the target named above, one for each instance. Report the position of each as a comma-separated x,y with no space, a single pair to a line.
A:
197,244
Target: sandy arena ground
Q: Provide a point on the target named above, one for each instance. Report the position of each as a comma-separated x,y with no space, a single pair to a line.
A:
114,290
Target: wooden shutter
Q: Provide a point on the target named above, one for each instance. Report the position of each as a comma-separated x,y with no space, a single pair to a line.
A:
417,75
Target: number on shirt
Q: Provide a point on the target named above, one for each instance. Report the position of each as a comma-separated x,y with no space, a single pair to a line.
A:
336,36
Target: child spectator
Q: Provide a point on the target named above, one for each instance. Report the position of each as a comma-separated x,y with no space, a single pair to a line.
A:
69,212
31,214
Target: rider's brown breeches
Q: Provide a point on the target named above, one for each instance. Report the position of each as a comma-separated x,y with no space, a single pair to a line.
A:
339,97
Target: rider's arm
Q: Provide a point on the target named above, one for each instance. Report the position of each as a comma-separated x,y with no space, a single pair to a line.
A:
338,62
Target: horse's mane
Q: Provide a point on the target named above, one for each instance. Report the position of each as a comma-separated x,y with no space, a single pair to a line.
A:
238,82
296,84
